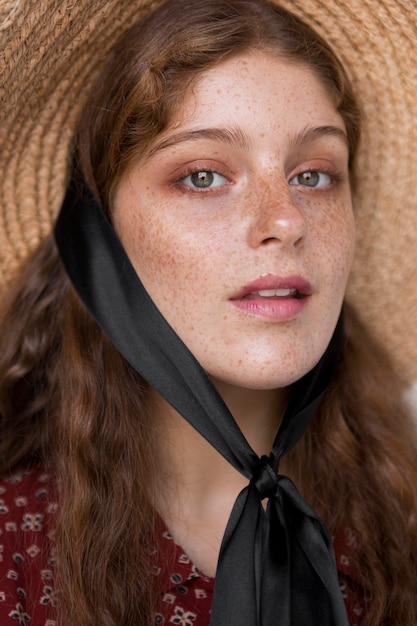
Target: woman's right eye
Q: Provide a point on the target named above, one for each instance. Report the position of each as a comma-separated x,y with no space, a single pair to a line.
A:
203,179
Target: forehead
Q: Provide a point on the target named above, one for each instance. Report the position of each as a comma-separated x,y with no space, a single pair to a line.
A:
258,89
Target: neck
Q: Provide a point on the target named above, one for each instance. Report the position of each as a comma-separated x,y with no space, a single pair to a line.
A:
187,460
196,486
258,414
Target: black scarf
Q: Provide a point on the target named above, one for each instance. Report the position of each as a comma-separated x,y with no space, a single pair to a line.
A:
276,566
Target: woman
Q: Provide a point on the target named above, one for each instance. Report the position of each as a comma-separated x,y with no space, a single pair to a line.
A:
219,140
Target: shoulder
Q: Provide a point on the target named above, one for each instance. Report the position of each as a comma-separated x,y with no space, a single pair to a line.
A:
28,506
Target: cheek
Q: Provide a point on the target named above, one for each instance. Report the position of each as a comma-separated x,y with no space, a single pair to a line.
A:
347,239
335,236
172,262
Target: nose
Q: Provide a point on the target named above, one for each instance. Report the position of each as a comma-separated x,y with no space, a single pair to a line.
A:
276,217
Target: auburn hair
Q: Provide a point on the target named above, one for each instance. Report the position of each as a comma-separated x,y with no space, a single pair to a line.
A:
70,401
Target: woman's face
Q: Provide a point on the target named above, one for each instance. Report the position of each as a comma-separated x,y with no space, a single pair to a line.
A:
239,221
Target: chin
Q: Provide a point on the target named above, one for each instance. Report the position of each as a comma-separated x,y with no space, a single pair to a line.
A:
266,377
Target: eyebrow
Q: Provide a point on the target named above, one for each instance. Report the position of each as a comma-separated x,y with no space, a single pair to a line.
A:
236,137
232,136
310,134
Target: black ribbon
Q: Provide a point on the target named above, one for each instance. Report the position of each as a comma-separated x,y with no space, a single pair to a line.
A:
276,566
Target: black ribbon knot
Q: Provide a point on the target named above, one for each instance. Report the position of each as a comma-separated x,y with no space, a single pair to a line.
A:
276,566
265,477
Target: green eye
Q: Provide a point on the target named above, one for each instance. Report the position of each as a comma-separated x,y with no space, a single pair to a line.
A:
311,179
204,179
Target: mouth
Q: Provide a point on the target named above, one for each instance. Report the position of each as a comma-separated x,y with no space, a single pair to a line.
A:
272,287
274,294
273,298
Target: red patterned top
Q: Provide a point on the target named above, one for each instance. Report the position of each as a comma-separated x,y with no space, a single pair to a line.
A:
27,594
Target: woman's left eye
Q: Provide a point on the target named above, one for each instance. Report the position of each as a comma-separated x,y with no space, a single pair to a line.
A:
203,179
311,178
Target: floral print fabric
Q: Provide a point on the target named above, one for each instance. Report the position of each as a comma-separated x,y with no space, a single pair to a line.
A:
27,508
27,594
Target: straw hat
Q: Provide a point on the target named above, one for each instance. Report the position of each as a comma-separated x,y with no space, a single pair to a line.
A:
50,51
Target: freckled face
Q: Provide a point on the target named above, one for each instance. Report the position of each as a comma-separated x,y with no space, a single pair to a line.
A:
239,221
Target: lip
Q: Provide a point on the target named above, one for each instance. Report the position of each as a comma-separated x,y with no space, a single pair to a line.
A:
280,308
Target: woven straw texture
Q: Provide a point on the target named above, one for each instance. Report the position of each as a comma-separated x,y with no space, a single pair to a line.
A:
50,51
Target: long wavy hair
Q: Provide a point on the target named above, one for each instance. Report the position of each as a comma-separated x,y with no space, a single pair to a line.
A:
70,401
